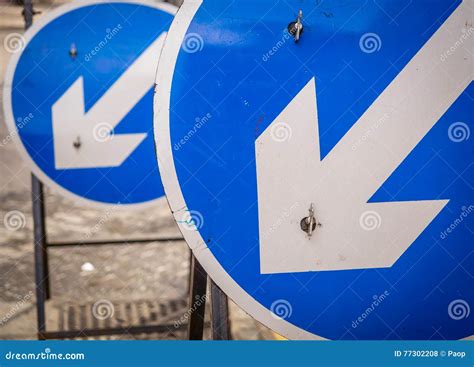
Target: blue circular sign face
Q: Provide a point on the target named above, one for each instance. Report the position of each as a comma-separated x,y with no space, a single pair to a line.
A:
318,160
78,99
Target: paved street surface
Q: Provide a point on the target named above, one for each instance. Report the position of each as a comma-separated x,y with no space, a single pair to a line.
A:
103,286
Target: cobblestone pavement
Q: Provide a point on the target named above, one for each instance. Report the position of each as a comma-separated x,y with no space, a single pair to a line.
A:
130,278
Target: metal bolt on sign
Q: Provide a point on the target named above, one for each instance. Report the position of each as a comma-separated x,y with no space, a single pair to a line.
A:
73,51
308,224
296,28
77,143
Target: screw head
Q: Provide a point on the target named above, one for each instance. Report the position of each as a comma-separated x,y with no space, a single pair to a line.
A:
305,224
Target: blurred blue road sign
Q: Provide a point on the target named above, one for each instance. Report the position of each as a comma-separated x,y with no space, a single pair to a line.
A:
78,99
326,184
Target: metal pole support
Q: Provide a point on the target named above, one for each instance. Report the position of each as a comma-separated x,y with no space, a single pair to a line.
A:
28,13
40,253
219,314
220,323
197,299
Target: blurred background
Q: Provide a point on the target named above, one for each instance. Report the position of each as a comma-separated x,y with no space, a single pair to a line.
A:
131,284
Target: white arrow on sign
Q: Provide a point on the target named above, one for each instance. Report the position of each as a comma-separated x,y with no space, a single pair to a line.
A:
355,234
84,139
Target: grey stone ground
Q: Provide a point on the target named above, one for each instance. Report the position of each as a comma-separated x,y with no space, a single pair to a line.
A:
133,278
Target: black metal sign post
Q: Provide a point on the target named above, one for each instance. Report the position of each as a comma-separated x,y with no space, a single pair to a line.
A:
40,251
219,314
28,13
198,277
220,324
197,297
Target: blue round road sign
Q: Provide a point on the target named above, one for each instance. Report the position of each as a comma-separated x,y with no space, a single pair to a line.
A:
78,99
318,160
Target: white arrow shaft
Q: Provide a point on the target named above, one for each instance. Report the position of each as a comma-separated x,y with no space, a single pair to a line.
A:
415,100
83,140
129,89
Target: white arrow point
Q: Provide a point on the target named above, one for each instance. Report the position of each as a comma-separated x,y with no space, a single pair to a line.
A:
85,139
355,234
99,147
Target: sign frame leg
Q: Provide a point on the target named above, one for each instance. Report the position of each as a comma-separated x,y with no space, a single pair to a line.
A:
197,297
28,13
40,254
220,323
